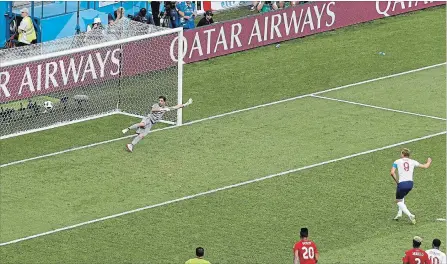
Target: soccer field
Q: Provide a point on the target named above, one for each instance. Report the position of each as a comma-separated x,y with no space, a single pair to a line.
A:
258,163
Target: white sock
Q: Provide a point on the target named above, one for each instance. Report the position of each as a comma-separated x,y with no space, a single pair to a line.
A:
399,211
404,208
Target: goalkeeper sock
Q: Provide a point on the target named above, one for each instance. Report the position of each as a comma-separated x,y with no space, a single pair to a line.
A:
136,140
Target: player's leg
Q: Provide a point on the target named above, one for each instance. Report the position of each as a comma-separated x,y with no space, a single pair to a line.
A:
403,189
139,137
134,126
399,196
399,212
403,207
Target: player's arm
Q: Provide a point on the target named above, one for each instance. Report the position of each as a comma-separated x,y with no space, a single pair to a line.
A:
425,165
405,259
176,107
393,172
179,105
296,259
317,254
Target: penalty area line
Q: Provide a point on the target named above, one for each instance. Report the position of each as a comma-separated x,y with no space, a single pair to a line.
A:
218,189
378,107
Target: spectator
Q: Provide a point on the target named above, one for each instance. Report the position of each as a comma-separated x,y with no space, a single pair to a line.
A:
200,252
286,4
155,8
188,12
171,12
96,24
110,19
253,5
27,33
119,14
207,19
141,17
267,6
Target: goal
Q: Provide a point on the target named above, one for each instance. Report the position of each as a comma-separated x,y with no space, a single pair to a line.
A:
121,69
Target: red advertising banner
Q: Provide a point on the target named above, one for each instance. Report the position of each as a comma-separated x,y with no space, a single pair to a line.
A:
95,66
294,22
85,68
58,73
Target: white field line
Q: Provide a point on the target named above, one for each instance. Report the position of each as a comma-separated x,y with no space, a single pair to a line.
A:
379,107
218,189
384,77
222,115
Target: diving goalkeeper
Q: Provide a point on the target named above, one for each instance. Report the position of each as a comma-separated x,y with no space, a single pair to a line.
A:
144,127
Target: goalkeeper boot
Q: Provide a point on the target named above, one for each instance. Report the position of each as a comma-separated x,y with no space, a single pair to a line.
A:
129,147
125,130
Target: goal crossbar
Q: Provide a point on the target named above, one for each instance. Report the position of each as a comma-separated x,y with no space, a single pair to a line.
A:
116,42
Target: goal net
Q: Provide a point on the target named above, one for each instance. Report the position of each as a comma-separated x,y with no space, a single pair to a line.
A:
121,69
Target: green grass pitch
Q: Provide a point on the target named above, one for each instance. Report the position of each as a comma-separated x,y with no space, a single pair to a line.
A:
347,204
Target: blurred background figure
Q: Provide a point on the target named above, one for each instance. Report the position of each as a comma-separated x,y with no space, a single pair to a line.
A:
267,6
96,24
155,8
188,12
143,17
27,33
207,19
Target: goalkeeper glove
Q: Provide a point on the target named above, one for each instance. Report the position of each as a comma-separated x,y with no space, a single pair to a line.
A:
188,103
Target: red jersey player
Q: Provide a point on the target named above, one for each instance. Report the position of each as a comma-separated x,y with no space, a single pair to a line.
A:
305,250
416,255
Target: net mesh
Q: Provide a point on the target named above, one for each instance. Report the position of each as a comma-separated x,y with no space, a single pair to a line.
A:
127,77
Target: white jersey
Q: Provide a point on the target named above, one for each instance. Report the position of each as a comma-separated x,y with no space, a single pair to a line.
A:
436,256
405,167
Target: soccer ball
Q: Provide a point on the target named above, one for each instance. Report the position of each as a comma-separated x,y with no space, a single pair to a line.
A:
48,105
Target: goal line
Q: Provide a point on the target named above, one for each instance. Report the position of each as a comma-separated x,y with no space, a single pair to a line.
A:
61,124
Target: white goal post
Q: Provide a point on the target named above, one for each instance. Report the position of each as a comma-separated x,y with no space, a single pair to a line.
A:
121,69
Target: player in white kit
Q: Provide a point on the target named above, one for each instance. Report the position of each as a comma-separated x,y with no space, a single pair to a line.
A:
435,255
405,167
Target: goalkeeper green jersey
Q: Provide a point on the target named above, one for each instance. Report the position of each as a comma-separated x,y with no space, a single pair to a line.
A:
197,261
